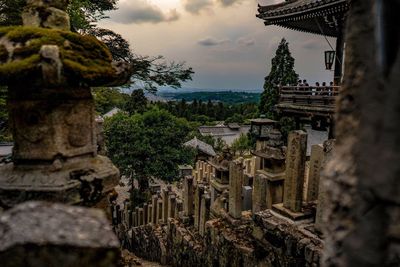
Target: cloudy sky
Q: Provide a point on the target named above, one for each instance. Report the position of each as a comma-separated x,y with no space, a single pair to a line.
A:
227,46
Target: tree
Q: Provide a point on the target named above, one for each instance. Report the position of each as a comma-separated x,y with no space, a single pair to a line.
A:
109,98
282,73
137,102
236,118
241,144
148,145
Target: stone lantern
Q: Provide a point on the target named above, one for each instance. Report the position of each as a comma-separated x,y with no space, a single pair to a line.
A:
261,127
49,71
270,174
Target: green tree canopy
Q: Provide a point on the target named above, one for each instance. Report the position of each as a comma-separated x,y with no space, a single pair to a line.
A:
282,73
109,98
148,145
137,102
241,144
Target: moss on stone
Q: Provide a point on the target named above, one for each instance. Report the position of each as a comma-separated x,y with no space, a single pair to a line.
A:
85,59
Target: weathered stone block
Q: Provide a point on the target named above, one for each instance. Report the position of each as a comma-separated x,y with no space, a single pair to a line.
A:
235,188
56,235
295,168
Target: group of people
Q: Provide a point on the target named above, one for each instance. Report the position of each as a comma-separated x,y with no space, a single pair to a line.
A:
318,89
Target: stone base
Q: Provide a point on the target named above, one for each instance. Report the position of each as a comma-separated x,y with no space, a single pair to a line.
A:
295,216
77,180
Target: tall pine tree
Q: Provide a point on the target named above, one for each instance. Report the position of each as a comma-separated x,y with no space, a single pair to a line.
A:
282,73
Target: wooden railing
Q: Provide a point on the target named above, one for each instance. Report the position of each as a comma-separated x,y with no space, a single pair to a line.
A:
321,97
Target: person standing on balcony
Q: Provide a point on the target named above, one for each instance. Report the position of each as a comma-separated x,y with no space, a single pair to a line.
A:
317,89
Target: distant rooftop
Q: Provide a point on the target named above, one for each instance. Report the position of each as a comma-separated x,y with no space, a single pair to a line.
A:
228,133
262,121
111,113
202,146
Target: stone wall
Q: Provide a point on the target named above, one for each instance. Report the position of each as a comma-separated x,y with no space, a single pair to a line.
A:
265,241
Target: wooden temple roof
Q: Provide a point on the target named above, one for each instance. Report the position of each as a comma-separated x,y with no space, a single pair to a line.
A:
313,16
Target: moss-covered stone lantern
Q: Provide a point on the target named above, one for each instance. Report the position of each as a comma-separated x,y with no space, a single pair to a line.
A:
49,71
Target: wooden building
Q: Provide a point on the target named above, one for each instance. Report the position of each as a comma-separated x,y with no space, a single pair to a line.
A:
322,17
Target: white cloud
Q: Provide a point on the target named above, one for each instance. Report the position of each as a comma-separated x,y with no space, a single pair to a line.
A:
141,11
228,2
243,41
211,41
195,6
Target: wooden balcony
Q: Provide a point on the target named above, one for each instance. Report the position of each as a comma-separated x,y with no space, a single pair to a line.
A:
308,100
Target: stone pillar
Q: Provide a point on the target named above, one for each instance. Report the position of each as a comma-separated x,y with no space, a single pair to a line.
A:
188,196
137,216
118,212
316,160
204,213
209,171
247,193
134,217
201,175
213,194
154,200
130,219
321,204
253,168
171,206
259,193
159,211
295,168
235,188
178,208
197,202
248,166
141,217
145,213
164,196
150,213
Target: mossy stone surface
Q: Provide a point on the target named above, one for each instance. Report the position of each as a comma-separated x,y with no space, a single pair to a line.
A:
85,59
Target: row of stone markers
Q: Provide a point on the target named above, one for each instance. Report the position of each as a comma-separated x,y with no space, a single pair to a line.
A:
279,186
203,172
275,183
194,209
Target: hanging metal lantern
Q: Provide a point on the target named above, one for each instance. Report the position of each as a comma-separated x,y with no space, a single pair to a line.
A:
329,59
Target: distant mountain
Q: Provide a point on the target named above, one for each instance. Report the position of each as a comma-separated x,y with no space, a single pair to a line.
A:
228,97
166,89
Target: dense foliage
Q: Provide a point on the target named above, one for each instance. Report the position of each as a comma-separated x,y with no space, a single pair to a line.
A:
109,98
282,73
148,145
241,145
137,102
206,113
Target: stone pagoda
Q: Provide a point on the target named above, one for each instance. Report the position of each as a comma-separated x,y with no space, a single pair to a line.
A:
49,71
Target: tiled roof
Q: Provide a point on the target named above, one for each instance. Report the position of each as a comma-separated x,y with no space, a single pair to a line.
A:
324,17
293,6
200,145
223,130
111,113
